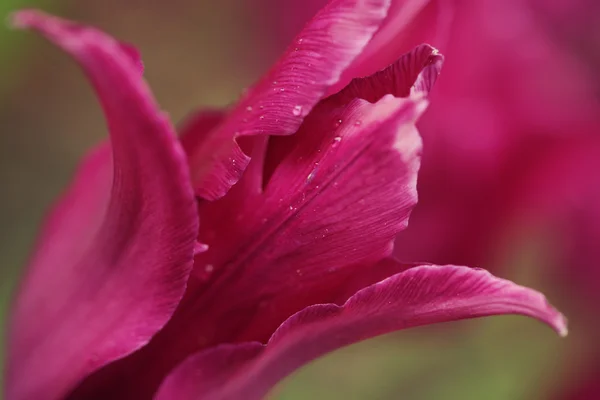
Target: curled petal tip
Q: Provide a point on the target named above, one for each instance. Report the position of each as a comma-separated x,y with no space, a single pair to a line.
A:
561,326
14,20
22,19
199,248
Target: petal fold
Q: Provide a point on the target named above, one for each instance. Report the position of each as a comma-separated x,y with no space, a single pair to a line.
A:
115,254
414,73
418,296
278,103
311,210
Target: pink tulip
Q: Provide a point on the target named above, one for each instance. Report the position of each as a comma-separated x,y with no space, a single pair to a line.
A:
214,266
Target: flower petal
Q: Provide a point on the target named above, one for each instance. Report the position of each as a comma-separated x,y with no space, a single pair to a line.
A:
113,262
274,252
278,104
335,196
413,73
419,296
311,210
408,23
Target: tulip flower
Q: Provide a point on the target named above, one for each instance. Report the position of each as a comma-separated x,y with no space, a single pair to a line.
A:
213,266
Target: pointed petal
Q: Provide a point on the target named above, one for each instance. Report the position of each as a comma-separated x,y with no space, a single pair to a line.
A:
413,73
408,23
333,198
278,104
419,296
112,263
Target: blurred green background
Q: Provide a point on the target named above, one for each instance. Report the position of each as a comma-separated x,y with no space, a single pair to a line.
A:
201,53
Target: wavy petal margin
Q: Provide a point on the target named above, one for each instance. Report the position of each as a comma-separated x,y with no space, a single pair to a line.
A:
112,263
333,198
278,104
418,296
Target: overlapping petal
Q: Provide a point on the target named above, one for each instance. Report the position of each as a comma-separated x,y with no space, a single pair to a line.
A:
114,257
278,103
328,199
420,295
311,210
409,23
414,73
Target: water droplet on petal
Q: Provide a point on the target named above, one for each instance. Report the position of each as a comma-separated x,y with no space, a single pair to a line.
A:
209,268
338,123
249,108
358,122
297,110
336,141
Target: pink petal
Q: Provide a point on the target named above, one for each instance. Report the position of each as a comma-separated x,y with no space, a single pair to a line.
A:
112,263
331,199
413,73
409,22
278,104
419,296
335,196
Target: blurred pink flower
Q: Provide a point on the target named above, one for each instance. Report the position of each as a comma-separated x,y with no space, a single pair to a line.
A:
515,95
143,289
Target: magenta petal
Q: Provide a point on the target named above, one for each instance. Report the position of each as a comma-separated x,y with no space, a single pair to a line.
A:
413,73
278,104
419,296
408,23
335,196
112,263
333,205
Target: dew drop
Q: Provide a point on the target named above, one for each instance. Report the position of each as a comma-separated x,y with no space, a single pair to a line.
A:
336,141
358,122
209,268
338,123
249,108
297,110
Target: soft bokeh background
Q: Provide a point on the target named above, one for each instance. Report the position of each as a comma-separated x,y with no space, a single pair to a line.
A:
203,52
